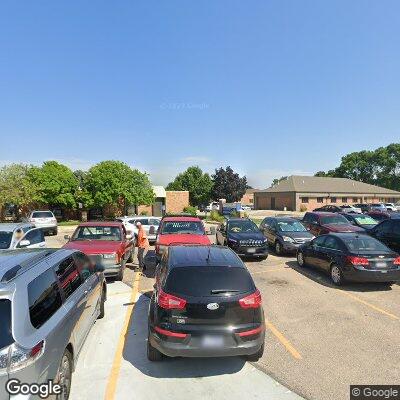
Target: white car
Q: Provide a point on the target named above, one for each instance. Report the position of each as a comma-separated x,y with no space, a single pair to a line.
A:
246,208
351,209
391,207
21,235
44,220
212,206
150,225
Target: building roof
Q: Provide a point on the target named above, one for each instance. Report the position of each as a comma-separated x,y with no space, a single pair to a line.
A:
317,184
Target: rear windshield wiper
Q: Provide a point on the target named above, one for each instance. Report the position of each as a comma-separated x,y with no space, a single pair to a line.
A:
218,291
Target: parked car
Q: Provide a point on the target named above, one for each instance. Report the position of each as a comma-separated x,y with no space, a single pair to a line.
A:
319,223
246,208
351,257
391,207
284,234
49,301
388,232
44,220
243,236
150,225
328,208
383,215
20,235
212,206
106,243
363,206
377,207
362,220
180,230
351,209
204,304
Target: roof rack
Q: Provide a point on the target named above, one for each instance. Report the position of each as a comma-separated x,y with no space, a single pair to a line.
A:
26,265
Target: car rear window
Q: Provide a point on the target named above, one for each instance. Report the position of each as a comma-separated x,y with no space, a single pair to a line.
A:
5,323
42,214
200,281
364,244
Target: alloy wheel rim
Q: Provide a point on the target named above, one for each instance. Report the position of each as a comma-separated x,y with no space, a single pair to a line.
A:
300,258
64,377
335,274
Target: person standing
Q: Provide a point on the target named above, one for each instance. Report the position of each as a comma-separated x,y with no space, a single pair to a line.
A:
143,245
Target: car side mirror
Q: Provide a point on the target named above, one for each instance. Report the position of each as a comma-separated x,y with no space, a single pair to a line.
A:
67,237
24,243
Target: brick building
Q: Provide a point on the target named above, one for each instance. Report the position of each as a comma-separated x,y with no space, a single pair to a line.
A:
309,192
248,197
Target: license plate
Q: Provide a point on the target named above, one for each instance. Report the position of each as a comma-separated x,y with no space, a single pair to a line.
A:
381,265
212,341
251,250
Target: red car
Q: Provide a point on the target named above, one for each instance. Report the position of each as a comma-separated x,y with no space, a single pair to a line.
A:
180,230
106,243
319,223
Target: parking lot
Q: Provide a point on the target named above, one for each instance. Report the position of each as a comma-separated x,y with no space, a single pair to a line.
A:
320,339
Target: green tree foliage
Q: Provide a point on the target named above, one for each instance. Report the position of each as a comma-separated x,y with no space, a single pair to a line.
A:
56,184
228,185
198,184
15,185
378,167
277,180
111,183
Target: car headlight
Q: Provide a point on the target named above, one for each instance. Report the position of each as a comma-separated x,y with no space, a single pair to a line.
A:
287,239
109,256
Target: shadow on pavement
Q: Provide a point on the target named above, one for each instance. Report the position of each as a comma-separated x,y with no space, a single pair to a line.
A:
135,353
320,277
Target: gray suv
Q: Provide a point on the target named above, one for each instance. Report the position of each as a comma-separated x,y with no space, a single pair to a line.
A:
49,300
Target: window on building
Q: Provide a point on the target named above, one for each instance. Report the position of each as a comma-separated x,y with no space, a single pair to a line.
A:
304,199
320,199
333,199
355,199
344,199
251,200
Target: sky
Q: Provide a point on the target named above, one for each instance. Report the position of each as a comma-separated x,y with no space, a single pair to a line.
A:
270,88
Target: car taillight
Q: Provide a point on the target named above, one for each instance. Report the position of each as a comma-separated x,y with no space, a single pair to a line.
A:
169,333
170,302
396,261
251,332
15,357
251,301
357,260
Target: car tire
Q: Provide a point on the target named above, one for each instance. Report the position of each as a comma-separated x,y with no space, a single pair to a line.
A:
300,259
256,356
64,375
120,275
336,275
132,254
152,353
55,232
102,301
278,248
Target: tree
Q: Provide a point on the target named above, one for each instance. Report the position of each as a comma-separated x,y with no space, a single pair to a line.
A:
228,185
277,180
198,184
56,184
115,184
15,185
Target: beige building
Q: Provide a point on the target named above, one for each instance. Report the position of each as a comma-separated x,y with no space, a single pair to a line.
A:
308,192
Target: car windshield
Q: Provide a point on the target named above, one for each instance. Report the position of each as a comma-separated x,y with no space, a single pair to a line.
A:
109,233
365,220
42,214
291,226
242,226
5,239
182,227
206,281
364,243
334,219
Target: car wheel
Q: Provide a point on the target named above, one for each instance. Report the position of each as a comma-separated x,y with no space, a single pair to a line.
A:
300,259
278,248
152,353
256,356
336,275
132,255
120,275
102,301
64,375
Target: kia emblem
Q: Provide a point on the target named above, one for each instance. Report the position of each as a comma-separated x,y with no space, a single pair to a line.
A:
213,306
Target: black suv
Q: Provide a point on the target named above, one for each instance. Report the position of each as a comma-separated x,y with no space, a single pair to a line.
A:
204,304
243,236
388,232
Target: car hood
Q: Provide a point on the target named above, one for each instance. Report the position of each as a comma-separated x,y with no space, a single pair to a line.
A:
183,238
246,236
93,246
298,235
343,228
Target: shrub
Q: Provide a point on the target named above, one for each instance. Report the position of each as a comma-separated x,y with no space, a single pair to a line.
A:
215,216
144,213
303,208
190,210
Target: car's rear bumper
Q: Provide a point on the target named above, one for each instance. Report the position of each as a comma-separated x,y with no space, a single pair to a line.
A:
46,227
355,275
193,346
